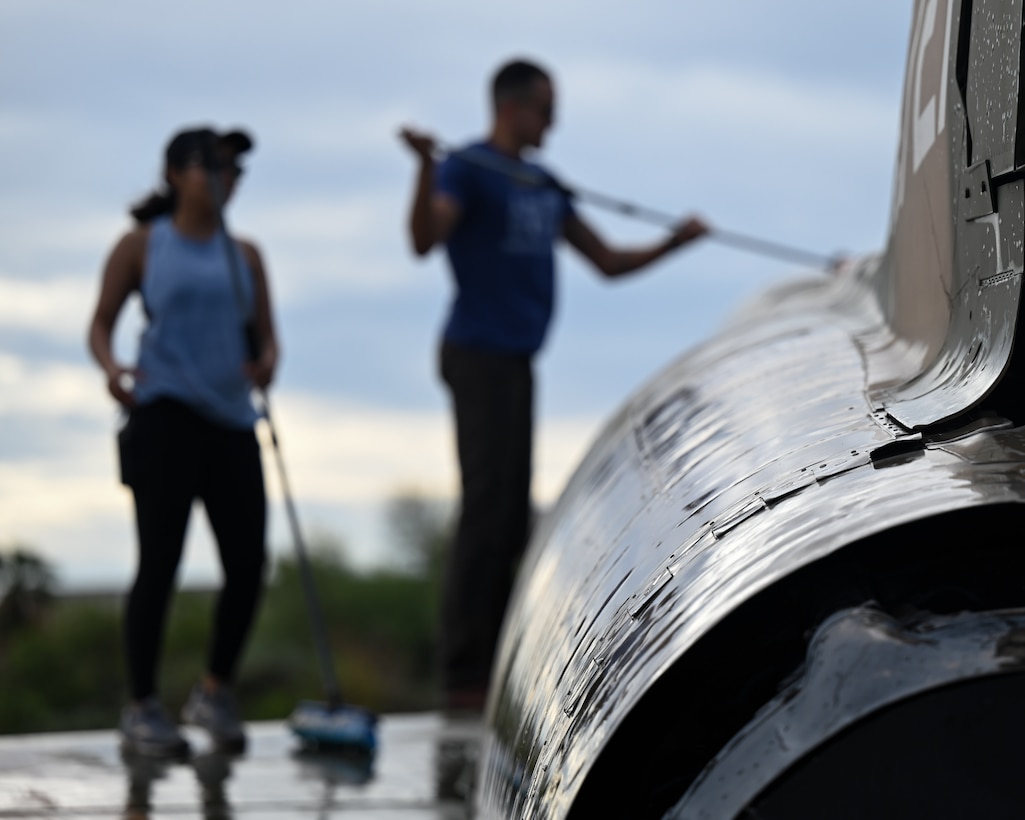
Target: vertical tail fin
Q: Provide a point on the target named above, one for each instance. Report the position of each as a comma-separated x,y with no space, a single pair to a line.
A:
954,259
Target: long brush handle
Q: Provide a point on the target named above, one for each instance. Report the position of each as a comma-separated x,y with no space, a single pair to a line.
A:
751,244
327,669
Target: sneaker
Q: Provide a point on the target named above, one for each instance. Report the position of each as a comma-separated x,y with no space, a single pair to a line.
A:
218,713
147,730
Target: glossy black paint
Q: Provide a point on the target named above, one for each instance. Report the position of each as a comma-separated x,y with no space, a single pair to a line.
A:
851,440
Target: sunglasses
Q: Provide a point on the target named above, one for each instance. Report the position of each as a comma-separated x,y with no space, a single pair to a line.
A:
231,167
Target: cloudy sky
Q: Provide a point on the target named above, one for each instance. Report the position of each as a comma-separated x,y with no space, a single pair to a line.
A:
772,119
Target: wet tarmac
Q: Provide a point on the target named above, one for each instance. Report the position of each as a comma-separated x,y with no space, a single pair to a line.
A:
85,775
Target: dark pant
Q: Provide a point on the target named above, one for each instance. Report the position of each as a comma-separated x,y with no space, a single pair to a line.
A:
171,456
492,396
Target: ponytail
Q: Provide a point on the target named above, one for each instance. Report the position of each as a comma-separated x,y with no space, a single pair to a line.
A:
158,203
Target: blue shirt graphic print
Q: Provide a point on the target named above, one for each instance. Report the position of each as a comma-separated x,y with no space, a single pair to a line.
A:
502,250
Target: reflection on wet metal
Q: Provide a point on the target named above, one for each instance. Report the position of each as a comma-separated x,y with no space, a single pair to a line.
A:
85,775
859,662
840,422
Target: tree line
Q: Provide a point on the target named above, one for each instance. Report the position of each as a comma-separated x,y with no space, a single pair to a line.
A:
61,659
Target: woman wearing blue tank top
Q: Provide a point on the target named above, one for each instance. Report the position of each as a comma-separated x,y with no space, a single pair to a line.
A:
190,431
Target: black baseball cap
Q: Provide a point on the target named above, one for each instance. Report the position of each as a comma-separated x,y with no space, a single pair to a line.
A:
184,145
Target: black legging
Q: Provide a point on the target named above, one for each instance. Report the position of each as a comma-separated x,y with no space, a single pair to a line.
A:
171,456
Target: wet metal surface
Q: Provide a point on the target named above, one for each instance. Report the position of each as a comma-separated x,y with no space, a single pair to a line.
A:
859,661
83,775
800,429
747,459
957,264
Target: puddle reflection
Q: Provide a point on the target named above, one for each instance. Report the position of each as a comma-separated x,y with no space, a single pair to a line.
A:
429,773
212,770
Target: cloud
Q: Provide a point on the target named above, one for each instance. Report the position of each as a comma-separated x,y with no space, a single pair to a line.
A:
346,242
58,482
663,103
63,493
57,307
57,463
343,452
741,102
37,231
351,128
51,390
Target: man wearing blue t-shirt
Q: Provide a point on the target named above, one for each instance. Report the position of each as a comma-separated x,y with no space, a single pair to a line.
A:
499,217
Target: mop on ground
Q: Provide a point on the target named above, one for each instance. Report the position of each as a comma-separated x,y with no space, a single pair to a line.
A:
333,725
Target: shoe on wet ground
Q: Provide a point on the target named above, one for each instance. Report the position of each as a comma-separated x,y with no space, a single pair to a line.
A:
218,713
146,729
